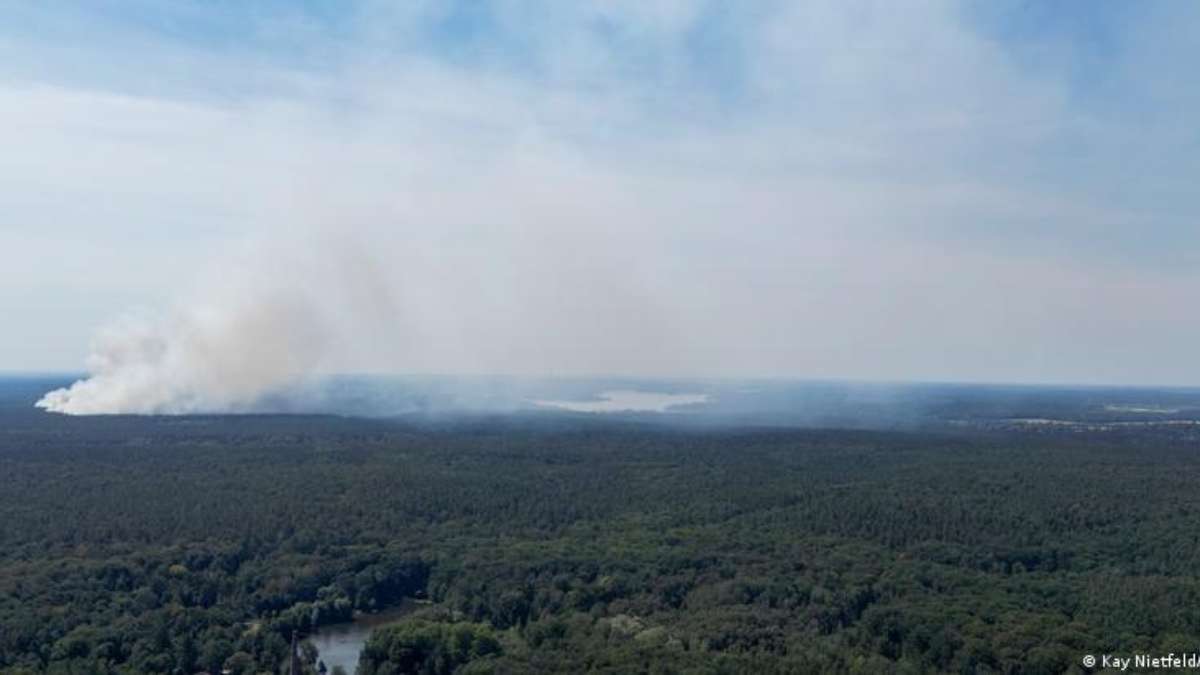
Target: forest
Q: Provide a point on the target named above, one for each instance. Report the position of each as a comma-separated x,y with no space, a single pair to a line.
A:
567,544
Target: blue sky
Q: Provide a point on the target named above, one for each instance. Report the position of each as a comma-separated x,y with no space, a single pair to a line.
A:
998,191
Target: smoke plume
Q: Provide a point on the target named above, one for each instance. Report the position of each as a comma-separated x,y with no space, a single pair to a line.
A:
205,359
255,326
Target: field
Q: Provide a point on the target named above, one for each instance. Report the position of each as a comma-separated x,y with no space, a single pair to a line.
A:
573,543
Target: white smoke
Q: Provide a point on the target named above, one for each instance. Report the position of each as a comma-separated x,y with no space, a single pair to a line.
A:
257,327
202,359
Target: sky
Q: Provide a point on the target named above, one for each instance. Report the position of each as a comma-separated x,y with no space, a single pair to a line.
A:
939,191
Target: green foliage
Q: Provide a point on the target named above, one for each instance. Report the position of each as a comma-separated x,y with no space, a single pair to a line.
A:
427,648
168,545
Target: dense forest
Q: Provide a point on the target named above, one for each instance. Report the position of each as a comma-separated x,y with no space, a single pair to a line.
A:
563,544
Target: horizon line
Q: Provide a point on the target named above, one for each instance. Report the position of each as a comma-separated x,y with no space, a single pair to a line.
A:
694,379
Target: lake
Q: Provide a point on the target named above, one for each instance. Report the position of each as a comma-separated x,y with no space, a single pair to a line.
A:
339,644
628,400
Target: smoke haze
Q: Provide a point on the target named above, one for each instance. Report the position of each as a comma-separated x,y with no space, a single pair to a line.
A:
817,190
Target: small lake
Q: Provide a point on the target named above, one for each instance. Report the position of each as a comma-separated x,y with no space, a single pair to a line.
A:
628,400
339,644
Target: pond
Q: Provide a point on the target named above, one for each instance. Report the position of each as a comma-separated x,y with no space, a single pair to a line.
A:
339,644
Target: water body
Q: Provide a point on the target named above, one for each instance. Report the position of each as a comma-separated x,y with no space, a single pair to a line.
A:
339,644
628,400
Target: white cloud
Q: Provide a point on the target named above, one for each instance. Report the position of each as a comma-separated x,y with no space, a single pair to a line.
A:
883,194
